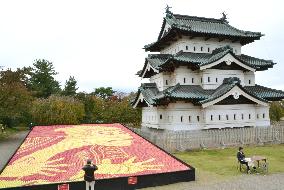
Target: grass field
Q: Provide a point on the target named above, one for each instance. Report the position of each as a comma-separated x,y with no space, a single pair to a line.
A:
223,162
220,166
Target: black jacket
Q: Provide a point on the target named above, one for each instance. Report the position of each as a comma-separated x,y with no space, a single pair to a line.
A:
89,172
240,156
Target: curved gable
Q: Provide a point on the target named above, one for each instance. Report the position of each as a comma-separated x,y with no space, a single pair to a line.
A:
140,101
228,59
236,92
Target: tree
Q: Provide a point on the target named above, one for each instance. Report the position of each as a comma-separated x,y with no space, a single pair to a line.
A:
57,110
276,111
42,80
120,111
15,99
104,93
70,87
93,107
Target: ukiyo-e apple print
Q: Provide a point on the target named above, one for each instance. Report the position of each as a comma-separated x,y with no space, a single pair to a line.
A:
52,154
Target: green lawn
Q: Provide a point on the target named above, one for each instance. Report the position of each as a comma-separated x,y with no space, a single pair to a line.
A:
223,162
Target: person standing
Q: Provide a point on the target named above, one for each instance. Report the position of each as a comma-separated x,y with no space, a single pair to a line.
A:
2,128
89,175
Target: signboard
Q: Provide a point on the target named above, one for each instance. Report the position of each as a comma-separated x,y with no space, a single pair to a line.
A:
132,180
63,187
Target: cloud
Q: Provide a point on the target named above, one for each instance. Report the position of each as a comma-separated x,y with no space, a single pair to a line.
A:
100,42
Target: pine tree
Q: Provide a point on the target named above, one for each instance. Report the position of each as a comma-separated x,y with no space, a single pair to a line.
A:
42,80
70,87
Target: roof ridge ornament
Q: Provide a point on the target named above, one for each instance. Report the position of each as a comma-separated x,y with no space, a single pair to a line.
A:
224,17
169,14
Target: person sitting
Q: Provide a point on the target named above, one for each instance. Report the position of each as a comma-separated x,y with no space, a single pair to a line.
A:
241,158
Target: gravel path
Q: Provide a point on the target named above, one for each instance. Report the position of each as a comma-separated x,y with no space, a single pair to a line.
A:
8,147
251,182
244,182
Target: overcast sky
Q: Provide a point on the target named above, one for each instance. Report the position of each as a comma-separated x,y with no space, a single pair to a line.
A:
100,42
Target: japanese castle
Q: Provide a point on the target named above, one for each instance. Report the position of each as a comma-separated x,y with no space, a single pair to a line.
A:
199,78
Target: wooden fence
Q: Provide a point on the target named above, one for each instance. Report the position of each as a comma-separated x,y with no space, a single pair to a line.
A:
187,140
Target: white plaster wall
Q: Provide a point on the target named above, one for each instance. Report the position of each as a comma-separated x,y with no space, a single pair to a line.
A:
163,80
234,114
186,76
249,78
262,116
199,45
169,117
158,79
150,117
211,78
216,77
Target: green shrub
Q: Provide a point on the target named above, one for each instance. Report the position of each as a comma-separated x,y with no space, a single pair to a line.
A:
57,110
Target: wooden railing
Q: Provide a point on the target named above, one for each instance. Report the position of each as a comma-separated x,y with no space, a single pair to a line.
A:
187,140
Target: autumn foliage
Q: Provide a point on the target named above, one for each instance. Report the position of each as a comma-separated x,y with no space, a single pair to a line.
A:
32,95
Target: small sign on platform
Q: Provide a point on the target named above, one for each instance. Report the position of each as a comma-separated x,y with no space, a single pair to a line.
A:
132,180
63,187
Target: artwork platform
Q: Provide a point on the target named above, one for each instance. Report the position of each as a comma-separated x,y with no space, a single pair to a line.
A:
54,155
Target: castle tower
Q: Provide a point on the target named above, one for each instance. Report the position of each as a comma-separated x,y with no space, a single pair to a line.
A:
200,79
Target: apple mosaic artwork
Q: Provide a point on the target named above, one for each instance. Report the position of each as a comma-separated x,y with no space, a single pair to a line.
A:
55,154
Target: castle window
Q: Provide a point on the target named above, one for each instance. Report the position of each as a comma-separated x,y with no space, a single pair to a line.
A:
201,48
242,116
184,80
197,118
211,117
249,116
194,48
201,79
263,115
216,79
208,79
257,116
166,82
192,80
227,117
189,118
249,81
234,116
161,116
186,47
219,117
208,49
181,118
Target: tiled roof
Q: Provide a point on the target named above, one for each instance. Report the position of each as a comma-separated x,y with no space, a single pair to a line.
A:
193,92
158,61
197,94
227,85
149,90
208,26
203,27
265,93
